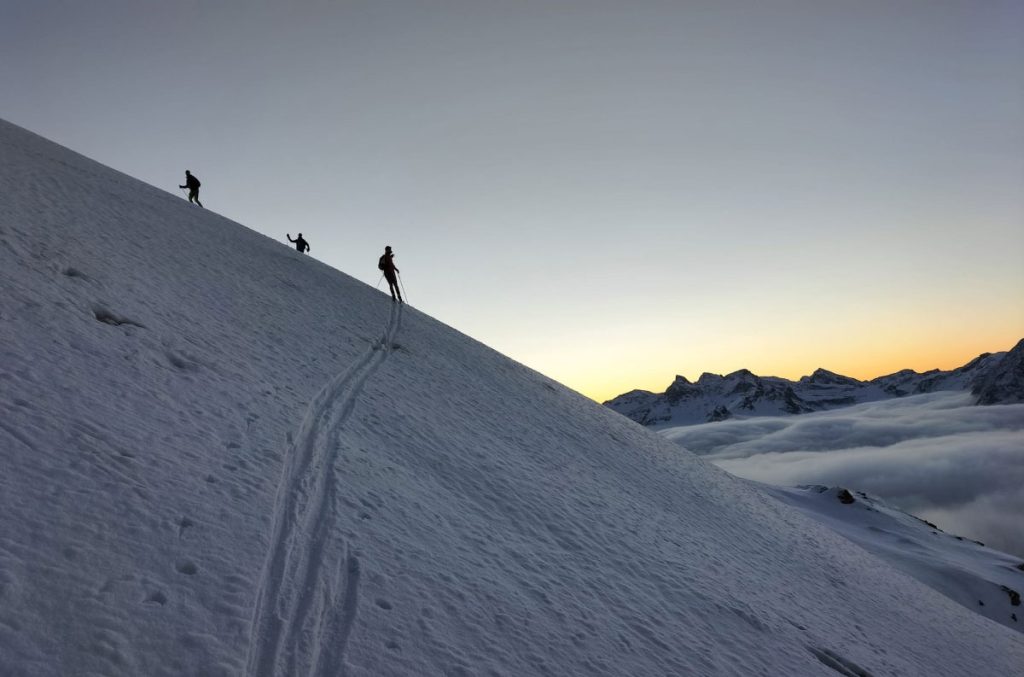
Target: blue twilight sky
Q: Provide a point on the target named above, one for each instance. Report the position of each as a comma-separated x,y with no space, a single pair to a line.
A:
610,192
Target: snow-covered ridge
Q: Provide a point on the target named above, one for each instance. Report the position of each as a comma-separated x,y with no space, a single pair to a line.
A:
983,580
996,378
221,457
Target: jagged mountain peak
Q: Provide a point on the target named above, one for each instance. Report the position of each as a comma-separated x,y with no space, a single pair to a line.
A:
708,377
902,373
979,361
826,377
742,393
738,375
1004,383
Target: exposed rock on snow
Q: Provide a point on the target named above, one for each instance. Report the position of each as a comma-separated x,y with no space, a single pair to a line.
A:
1004,383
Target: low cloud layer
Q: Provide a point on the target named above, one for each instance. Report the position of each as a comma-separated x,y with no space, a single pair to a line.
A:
937,456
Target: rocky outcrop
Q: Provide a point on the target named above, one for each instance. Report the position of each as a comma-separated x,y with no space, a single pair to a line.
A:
1003,383
1014,595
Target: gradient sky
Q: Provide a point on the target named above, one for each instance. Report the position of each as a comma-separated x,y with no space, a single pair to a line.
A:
610,192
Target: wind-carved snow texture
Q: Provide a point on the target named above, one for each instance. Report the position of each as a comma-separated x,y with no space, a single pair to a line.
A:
308,594
189,498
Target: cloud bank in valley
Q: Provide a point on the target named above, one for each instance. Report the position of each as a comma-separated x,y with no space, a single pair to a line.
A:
937,456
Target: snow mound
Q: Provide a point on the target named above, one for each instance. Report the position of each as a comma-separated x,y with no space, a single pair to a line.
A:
222,457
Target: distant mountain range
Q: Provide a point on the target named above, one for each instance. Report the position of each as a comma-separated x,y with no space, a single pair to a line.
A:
994,378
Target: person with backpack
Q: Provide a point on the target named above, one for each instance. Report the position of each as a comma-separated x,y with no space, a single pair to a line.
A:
192,183
301,245
387,264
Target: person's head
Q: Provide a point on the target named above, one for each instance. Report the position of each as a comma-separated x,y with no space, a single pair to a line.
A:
188,173
387,250
300,234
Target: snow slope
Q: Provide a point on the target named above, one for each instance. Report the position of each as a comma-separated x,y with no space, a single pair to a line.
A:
221,457
983,580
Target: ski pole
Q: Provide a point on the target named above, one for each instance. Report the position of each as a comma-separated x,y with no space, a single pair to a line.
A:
378,281
404,295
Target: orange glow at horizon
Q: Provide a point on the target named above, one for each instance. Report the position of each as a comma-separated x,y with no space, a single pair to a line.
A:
655,370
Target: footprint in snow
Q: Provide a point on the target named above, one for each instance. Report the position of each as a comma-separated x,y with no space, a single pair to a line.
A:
102,314
156,597
186,567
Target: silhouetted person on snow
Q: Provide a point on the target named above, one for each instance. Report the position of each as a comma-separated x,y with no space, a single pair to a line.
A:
192,183
387,264
301,245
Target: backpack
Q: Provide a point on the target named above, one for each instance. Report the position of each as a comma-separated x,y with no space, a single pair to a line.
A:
380,263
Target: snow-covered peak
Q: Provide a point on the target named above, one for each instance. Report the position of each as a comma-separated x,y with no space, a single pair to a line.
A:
1005,382
707,378
742,394
829,378
222,457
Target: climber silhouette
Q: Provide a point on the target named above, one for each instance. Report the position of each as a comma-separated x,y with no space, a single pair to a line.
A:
387,264
300,244
192,183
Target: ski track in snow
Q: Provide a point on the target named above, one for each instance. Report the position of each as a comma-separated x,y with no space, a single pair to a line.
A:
307,601
189,491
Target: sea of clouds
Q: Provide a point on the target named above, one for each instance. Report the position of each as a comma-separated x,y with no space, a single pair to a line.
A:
937,456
